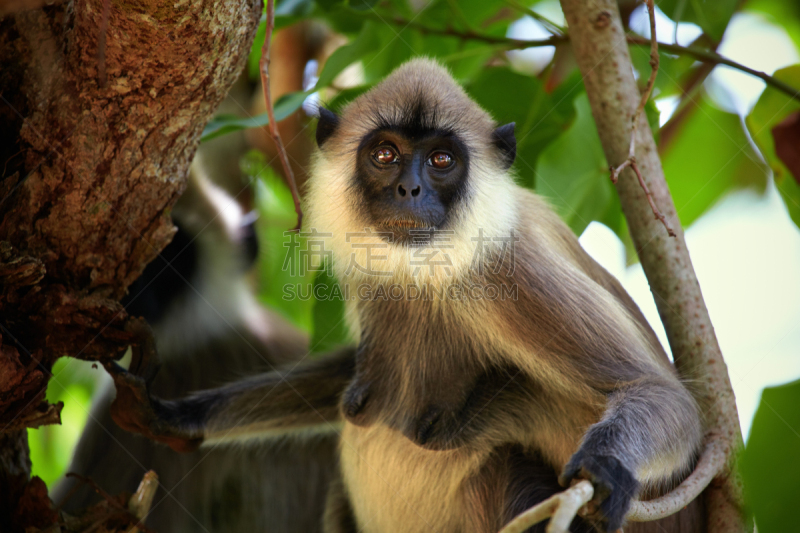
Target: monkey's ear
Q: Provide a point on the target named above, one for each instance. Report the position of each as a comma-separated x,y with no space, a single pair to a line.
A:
503,138
328,120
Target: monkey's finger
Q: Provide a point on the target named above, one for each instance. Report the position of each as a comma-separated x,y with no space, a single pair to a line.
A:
144,360
571,470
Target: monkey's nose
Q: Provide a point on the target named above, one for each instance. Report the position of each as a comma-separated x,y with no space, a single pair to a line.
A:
402,193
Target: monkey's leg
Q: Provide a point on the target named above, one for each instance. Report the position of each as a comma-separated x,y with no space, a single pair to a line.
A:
275,403
649,434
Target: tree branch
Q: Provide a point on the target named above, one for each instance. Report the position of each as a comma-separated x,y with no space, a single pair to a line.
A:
103,107
603,57
631,160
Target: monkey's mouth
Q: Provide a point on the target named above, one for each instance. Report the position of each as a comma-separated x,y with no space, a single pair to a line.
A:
405,224
408,231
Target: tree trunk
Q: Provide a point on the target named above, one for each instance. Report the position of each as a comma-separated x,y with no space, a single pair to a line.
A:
599,43
103,104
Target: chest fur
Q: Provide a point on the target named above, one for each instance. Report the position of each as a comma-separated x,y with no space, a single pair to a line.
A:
396,486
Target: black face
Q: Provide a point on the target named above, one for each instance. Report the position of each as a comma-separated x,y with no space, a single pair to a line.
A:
411,175
410,181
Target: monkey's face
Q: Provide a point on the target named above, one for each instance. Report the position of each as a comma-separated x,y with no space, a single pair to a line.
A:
411,169
410,181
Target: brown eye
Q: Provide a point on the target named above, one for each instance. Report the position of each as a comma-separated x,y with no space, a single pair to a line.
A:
441,160
384,155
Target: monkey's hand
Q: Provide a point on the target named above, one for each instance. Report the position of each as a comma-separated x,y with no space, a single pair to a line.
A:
135,410
615,485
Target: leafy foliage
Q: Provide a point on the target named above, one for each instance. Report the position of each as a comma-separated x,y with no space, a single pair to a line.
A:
769,465
283,273
711,156
540,117
577,182
711,15
770,110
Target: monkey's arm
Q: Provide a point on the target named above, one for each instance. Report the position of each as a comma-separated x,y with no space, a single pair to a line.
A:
269,404
649,435
582,323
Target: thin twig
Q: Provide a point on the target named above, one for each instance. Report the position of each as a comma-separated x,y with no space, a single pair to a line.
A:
631,160
709,56
560,508
273,126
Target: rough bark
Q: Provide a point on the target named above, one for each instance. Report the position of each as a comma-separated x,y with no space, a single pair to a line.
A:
102,105
602,53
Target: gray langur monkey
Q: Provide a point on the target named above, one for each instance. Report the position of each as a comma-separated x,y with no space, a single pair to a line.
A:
517,365
209,329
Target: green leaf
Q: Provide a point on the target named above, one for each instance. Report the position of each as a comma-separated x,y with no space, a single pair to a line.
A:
346,96
540,117
573,174
712,16
253,68
709,157
348,54
343,57
790,192
222,124
771,109
329,328
770,463
361,5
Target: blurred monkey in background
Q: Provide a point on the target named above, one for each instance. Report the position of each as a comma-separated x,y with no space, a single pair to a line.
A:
209,329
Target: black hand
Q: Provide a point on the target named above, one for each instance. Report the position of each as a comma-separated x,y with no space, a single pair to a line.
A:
615,485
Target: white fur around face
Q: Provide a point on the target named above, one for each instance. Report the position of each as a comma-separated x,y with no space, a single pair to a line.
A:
361,255
485,215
